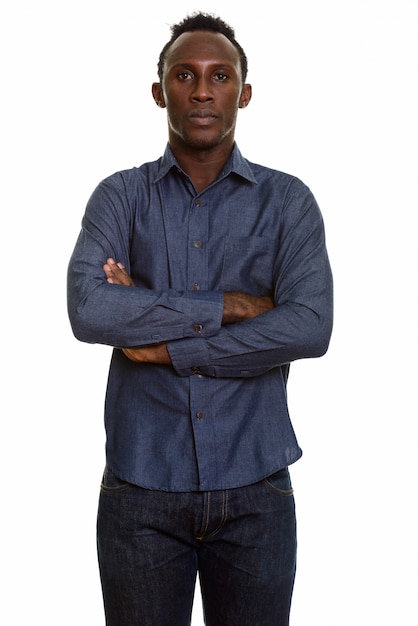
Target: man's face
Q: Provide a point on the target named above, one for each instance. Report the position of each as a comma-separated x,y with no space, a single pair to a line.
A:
202,90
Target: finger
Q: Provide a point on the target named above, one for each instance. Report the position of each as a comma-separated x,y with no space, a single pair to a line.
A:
116,273
111,267
116,267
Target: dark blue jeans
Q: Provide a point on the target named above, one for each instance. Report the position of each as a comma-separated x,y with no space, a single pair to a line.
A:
242,542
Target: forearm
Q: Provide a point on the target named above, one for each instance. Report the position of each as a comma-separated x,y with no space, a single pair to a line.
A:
237,307
121,316
142,317
157,354
240,306
250,348
298,327
113,314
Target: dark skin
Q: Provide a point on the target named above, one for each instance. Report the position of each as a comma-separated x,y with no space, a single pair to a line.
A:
237,308
202,90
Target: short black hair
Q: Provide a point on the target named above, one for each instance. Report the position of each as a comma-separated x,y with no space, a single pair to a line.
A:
203,21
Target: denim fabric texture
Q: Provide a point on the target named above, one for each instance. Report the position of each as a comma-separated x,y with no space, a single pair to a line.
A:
218,419
152,543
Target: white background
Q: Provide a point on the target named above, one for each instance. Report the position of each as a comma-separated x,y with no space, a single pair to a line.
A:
335,104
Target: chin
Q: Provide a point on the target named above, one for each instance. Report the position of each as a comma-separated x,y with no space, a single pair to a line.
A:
204,142
203,145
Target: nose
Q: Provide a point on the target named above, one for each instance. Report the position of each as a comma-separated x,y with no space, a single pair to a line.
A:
202,91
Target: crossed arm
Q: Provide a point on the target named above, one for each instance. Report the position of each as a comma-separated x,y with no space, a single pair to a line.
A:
237,307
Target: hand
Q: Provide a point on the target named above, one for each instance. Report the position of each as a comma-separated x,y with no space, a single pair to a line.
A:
116,273
242,306
149,354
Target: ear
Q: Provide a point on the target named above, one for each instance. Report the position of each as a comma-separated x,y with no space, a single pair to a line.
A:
246,94
157,94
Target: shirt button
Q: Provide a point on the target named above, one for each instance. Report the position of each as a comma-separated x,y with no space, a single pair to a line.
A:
197,328
197,244
200,415
196,287
198,202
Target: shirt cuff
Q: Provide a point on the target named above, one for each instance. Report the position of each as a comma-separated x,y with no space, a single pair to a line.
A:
204,310
189,355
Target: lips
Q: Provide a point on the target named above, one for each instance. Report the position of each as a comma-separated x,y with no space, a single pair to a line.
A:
202,117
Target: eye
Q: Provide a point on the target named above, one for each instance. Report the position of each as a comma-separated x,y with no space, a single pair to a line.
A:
221,76
184,76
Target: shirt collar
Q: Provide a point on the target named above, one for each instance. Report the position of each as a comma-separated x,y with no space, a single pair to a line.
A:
235,163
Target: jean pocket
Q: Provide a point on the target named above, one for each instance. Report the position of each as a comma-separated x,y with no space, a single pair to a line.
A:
111,483
279,483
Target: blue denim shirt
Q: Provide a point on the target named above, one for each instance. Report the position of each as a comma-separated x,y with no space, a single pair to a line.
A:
218,418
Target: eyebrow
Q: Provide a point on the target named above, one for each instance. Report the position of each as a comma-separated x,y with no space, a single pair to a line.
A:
190,64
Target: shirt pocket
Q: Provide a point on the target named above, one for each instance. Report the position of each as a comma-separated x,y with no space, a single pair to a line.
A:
248,265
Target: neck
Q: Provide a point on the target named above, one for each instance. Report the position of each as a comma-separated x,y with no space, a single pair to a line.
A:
202,166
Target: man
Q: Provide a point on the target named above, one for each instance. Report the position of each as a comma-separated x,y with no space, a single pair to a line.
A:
209,275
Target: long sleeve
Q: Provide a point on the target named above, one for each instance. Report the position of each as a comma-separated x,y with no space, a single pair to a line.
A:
218,418
121,316
298,327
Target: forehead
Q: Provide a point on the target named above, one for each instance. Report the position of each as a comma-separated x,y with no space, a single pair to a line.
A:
202,45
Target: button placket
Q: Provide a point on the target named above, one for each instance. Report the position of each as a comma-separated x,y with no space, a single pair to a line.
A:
198,254
206,444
